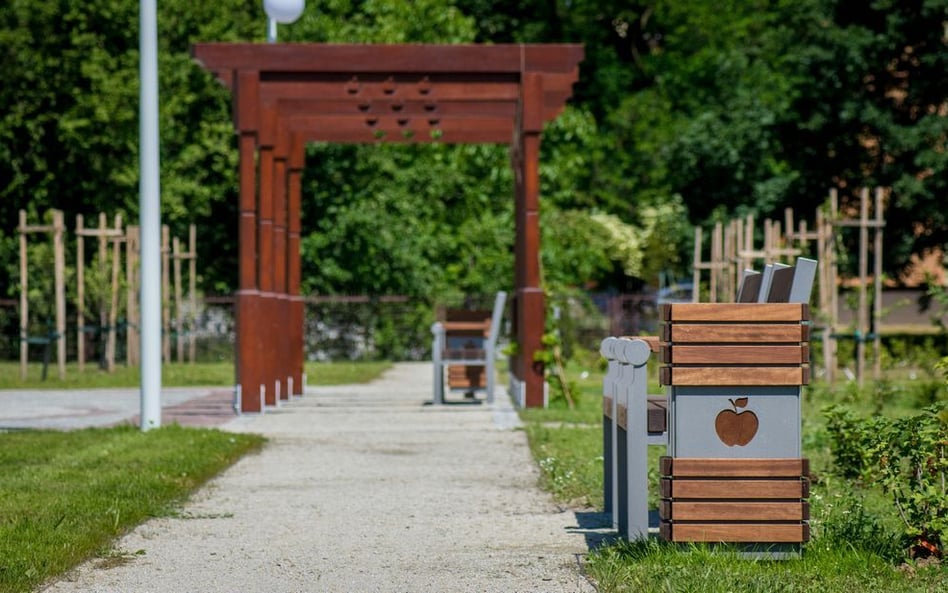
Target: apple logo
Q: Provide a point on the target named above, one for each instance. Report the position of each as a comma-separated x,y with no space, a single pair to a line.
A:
736,428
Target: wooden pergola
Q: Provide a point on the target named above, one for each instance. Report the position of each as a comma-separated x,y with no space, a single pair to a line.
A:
286,95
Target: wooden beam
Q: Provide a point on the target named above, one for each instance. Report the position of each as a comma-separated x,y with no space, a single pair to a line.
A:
359,58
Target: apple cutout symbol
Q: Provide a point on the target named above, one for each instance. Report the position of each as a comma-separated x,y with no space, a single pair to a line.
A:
736,428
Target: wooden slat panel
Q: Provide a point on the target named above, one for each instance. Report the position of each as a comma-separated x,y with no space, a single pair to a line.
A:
747,333
654,342
622,416
740,376
607,406
795,487
657,414
740,312
463,377
755,467
675,510
735,532
797,354
460,326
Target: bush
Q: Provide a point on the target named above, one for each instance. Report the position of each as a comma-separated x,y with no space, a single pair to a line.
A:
907,458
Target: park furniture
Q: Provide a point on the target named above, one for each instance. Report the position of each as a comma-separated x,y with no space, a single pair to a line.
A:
734,471
632,420
730,418
464,347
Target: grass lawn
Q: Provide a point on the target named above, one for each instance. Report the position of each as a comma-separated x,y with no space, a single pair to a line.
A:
177,375
855,545
65,496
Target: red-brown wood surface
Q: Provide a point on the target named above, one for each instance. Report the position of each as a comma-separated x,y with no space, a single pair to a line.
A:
736,312
716,354
695,467
730,510
731,333
735,532
750,489
734,376
287,94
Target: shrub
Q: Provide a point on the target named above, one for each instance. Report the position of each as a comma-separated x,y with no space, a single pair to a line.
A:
907,458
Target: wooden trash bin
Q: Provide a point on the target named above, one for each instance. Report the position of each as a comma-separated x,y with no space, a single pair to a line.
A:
734,471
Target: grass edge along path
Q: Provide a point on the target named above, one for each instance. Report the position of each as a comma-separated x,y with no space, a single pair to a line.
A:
65,496
199,374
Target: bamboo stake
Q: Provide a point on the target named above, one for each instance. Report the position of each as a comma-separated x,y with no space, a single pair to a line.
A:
131,296
24,300
877,299
822,240
834,275
165,305
59,265
863,312
80,293
192,291
696,270
715,259
178,309
113,303
103,314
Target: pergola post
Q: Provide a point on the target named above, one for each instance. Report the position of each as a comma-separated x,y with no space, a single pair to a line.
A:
248,306
281,350
530,299
296,308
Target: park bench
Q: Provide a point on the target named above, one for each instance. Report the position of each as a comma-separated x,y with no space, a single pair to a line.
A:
464,350
730,418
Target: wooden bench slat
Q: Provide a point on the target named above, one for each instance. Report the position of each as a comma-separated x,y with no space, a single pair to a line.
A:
794,487
707,511
657,415
622,416
717,467
654,342
758,333
796,354
734,376
735,532
607,406
467,326
741,312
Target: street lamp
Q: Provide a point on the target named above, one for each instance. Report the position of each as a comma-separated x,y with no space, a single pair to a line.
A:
281,11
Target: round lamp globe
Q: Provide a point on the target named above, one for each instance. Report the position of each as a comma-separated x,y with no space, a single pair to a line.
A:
284,11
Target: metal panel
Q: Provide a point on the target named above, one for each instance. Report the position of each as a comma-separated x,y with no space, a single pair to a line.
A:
695,424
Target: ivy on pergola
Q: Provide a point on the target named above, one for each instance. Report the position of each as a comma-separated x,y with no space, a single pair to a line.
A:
286,95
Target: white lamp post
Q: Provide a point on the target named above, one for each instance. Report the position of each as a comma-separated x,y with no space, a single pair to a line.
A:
150,219
281,11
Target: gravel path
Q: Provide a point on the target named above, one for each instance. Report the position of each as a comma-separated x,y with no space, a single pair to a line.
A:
362,489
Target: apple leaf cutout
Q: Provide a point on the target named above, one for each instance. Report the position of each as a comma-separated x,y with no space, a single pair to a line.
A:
740,402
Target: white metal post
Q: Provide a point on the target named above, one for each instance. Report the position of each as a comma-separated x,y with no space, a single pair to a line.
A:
150,218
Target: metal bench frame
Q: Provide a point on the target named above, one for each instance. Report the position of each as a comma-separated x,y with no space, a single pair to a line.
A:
485,357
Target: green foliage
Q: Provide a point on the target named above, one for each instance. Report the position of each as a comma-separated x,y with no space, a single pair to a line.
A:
843,522
685,111
906,457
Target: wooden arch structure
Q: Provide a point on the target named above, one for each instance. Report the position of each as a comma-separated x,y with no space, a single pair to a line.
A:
286,95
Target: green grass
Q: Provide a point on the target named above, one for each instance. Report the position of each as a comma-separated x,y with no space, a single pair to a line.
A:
855,546
657,566
65,496
203,374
